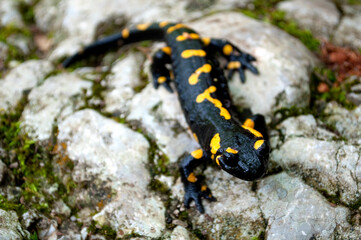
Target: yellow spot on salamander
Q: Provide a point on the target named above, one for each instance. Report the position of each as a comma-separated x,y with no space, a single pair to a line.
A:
195,137
193,79
175,27
227,49
217,159
167,50
258,144
161,79
206,41
125,33
143,26
234,65
218,104
186,36
215,143
203,188
253,131
230,150
249,123
163,24
191,178
197,154
193,53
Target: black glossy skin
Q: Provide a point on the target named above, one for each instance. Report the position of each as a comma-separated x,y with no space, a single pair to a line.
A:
247,161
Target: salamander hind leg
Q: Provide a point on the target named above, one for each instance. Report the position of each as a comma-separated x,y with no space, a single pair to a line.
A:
194,190
236,59
160,73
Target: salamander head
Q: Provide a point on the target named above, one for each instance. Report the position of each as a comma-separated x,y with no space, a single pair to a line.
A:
247,158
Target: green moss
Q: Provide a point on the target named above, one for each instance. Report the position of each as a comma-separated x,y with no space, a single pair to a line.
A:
35,164
337,92
278,19
104,230
354,2
158,186
261,236
356,204
7,205
34,236
265,10
26,9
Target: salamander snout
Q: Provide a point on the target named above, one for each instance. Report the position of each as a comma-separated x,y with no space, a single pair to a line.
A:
247,163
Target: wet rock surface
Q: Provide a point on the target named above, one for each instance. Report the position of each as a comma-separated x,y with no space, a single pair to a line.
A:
116,140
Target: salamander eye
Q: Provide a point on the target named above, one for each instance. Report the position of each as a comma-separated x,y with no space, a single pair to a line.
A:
230,159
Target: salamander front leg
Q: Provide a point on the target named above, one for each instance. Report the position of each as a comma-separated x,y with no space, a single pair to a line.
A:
194,190
161,74
236,59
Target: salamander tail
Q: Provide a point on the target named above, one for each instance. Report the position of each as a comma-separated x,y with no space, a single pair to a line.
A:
141,32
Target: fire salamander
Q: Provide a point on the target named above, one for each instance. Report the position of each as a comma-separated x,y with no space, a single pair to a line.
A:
239,148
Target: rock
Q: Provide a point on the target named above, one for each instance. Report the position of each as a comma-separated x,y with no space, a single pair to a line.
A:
3,170
10,228
60,207
4,50
180,233
319,16
26,76
294,210
235,214
161,116
9,14
89,15
349,31
346,123
52,101
29,218
283,62
47,229
116,156
21,42
330,166
124,77
46,13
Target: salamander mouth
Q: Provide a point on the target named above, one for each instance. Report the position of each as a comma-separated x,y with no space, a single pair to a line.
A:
243,171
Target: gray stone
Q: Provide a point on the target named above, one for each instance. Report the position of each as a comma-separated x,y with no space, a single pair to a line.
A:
21,42
9,14
4,50
124,77
349,31
283,62
347,123
60,207
330,166
25,76
55,99
88,16
47,13
319,16
10,228
161,116
47,229
3,170
117,156
180,233
295,211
